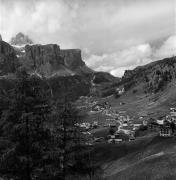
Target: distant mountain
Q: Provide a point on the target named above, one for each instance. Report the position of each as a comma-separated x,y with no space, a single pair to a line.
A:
20,39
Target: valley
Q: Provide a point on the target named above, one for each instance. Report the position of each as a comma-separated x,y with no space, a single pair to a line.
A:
130,122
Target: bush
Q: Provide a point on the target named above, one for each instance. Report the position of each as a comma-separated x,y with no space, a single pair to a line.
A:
135,91
112,131
143,128
141,131
108,92
116,95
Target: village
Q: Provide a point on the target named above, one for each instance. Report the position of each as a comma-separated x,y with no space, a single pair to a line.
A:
119,127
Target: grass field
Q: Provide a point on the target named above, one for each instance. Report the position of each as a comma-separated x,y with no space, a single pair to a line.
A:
148,158
141,104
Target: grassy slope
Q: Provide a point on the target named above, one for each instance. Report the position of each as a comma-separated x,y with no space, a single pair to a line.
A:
148,158
140,104
160,167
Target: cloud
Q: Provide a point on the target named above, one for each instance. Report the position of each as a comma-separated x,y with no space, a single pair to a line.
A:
132,57
43,20
117,63
114,35
100,26
167,49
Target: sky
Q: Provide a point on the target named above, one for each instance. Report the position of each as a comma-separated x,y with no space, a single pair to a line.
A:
114,35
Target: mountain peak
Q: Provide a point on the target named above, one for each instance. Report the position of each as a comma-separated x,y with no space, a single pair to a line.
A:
21,39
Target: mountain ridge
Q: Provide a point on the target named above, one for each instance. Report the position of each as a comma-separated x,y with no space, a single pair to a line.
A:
51,63
49,59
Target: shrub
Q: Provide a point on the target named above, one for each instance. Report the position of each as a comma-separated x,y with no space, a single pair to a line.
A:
135,91
108,92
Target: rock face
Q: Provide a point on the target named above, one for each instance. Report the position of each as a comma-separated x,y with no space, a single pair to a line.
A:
45,59
21,39
0,37
42,54
8,59
50,59
72,58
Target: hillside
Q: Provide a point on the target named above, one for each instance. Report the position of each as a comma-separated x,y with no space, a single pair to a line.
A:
154,76
150,158
149,89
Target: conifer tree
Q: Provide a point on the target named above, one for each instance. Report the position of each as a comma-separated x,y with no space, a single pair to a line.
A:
73,143
25,129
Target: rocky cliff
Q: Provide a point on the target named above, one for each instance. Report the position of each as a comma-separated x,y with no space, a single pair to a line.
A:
47,60
8,59
72,58
50,59
44,59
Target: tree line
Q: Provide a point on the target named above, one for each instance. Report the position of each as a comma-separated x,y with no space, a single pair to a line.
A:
39,136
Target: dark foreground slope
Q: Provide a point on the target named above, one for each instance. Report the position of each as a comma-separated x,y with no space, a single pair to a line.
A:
150,158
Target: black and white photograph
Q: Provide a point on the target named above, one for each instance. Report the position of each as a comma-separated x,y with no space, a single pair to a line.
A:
87,89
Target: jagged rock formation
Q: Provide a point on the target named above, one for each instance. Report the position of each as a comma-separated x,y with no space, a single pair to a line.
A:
21,39
48,60
8,59
0,37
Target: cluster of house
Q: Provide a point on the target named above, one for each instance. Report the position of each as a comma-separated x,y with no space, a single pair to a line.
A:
166,125
101,106
126,128
120,90
118,137
84,103
87,126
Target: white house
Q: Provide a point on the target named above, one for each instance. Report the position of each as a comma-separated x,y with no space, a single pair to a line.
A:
160,122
